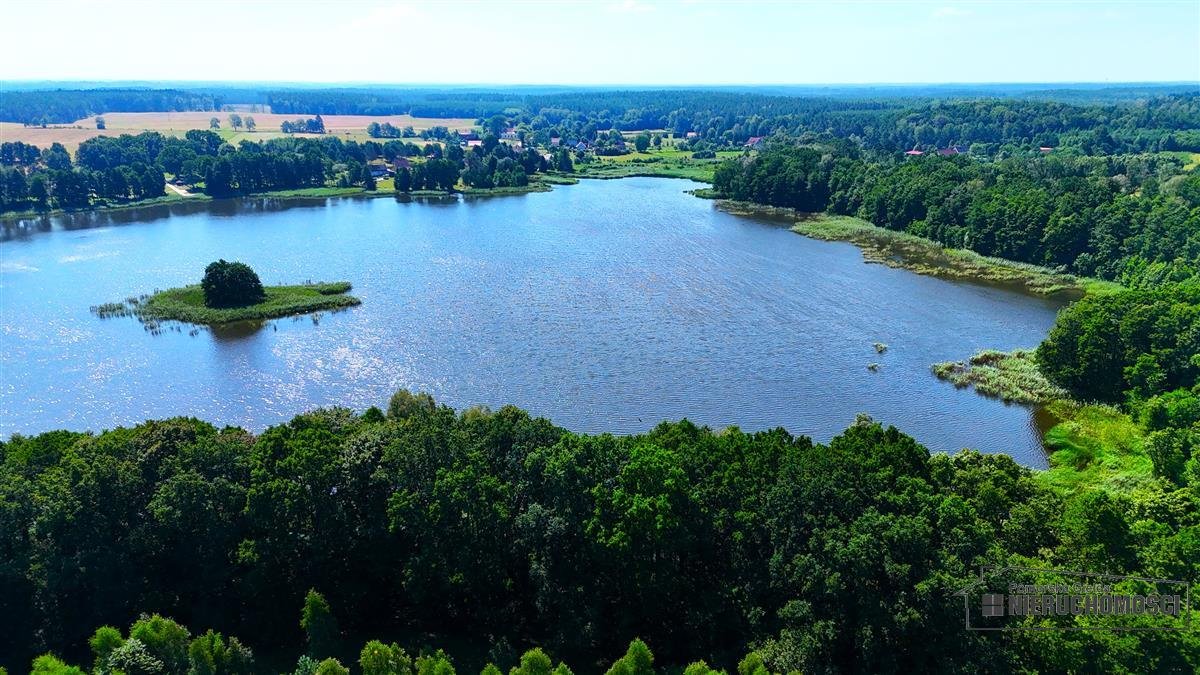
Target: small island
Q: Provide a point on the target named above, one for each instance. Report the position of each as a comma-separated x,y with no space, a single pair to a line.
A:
229,292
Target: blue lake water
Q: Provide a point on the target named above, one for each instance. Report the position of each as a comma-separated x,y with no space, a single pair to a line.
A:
605,306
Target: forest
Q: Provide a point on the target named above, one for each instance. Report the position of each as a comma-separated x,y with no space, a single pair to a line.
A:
1131,218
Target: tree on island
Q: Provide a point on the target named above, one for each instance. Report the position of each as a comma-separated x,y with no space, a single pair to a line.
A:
231,284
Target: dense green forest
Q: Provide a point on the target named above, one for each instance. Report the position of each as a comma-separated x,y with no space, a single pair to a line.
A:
487,533
1133,218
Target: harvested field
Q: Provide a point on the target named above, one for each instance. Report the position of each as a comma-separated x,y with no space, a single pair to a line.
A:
348,127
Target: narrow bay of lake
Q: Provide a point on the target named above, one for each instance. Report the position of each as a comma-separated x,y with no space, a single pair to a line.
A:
604,306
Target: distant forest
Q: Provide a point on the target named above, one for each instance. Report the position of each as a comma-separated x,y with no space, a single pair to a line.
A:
1138,118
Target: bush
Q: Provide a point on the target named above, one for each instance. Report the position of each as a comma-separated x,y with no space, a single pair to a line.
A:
231,284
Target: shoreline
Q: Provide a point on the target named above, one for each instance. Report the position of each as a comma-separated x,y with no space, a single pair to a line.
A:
901,250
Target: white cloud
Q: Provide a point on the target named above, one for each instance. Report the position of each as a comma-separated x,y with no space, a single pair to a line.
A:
950,12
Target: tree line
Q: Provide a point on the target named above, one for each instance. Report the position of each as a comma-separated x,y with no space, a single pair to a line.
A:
499,532
990,121
60,106
1125,217
39,180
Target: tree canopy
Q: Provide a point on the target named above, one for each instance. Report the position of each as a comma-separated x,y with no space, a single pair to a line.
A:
231,284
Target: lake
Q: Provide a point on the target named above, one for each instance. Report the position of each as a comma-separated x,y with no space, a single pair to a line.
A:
604,306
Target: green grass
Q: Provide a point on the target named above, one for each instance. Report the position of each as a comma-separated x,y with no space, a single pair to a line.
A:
1011,376
1095,446
187,304
907,251
558,179
664,163
533,186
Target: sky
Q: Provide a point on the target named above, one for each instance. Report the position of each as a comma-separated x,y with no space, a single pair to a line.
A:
638,42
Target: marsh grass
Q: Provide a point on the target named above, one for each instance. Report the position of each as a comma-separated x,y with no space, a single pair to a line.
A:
1011,376
186,305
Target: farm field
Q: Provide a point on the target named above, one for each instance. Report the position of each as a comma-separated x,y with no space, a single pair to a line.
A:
348,127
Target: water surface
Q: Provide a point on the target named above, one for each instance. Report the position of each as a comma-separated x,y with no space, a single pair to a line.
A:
605,306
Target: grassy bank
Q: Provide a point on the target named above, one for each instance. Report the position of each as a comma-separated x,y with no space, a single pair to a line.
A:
1095,446
533,186
906,251
187,304
1011,376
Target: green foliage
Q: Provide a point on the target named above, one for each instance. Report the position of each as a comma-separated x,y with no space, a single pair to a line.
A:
320,627
1138,344
331,667
231,284
434,664
378,658
212,654
48,664
752,665
405,404
103,642
134,658
164,639
638,660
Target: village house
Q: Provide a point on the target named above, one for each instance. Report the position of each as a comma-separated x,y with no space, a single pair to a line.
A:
379,170
509,134
754,142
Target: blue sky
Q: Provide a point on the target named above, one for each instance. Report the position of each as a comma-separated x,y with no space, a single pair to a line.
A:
601,42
